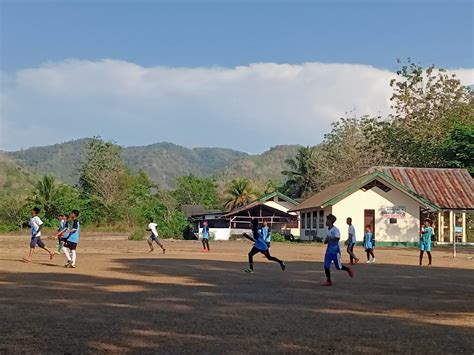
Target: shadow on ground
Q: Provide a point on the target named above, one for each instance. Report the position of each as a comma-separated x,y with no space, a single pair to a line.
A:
195,306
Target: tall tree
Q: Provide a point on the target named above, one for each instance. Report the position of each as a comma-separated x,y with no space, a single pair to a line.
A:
193,190
46,194
302,173
239,193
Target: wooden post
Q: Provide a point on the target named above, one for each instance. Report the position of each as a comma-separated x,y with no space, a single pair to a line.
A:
440,226
451,226
464,231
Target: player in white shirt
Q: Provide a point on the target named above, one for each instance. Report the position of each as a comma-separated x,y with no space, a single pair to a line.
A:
36,225
154,236
351,242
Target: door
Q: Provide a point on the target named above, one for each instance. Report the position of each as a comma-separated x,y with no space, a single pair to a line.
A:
369,220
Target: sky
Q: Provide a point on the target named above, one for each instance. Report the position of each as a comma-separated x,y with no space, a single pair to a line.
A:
245,75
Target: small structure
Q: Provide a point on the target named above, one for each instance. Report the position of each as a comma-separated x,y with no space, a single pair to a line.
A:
393,201
273,208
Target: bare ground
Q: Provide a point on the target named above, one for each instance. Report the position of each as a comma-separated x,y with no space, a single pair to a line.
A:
123,299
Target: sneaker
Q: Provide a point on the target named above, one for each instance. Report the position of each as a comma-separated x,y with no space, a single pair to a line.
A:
72,266
283,266
249,271
356,261
68,264
351,273
373,260
327,283
368,262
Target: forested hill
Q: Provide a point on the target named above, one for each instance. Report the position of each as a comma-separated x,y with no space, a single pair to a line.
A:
163,162
15,180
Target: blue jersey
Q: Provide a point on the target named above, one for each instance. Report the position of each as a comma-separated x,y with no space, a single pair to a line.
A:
260,243
266,234
426,233
332,238
74,236
368,240
205,232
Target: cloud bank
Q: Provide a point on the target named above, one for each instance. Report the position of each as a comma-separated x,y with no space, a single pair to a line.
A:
249,108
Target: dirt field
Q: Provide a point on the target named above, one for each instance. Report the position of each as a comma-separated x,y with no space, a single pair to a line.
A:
122,299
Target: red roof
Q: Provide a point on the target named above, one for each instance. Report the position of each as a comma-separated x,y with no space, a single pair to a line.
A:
447,188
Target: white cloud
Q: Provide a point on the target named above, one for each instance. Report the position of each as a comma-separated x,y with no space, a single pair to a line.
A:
248,108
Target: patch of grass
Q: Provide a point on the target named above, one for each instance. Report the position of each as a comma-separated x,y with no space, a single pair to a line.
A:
137,234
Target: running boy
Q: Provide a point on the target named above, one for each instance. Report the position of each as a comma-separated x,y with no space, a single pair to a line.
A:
260,246
72,240
425,241
333,252
205,237
369,244
266,234
351,242
154,235
36,225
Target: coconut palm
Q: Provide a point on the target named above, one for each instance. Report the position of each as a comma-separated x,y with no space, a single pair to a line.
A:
302,173
46,194
239,193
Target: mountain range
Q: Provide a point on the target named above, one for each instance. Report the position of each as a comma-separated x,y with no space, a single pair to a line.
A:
163,162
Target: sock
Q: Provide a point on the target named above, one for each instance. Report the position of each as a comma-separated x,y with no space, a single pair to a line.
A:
73,257
66,252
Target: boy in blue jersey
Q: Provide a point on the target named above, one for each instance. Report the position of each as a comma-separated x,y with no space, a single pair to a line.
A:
369,244
72,240
425,241
36,225
351,242
205,237
260,246
62,231
266,234
333,252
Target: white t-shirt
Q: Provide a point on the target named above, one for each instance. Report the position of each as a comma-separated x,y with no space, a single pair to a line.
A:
352,234
35,223
152,226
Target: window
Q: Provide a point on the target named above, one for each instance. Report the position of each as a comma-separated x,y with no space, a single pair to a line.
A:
303,221
315,219
393,220
321,219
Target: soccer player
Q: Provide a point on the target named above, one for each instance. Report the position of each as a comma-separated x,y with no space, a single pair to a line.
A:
260,246
71,240
425,241
266,234
62,231
205,237
154,235
369,244
36,225
351,242
333,252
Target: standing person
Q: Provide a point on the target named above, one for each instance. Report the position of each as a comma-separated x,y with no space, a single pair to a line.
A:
72,240
154,235
205,237
333,252
351,242
369,244
260,246
266,234
425,241
36,225
62,231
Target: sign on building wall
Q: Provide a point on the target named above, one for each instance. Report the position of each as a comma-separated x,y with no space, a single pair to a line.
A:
393,212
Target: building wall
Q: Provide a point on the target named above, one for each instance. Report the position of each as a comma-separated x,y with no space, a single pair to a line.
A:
406,230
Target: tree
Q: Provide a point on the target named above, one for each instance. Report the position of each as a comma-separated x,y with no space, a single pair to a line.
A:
47,194
426,104
104,176
302,173
239,193
457,150
193,190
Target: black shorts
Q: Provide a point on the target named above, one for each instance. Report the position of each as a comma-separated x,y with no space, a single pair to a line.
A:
36,241
70,245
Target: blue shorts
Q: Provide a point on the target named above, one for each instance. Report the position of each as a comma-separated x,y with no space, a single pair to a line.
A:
36,241
425,246
330,257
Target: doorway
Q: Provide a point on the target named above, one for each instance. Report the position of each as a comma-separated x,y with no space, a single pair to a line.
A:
369,220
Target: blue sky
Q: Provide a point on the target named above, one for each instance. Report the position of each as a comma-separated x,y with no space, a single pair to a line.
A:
209,35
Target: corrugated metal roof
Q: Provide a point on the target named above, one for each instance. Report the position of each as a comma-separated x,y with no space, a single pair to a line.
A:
447,188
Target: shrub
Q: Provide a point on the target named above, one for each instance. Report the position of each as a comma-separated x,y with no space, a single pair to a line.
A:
278,237
137,234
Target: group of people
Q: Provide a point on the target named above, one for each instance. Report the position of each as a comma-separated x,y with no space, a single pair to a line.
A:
67,236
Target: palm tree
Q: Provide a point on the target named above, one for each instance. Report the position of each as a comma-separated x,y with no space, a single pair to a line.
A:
239,193
46,194
302,173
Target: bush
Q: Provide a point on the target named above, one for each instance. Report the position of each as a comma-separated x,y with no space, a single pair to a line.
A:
137,234
278,237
